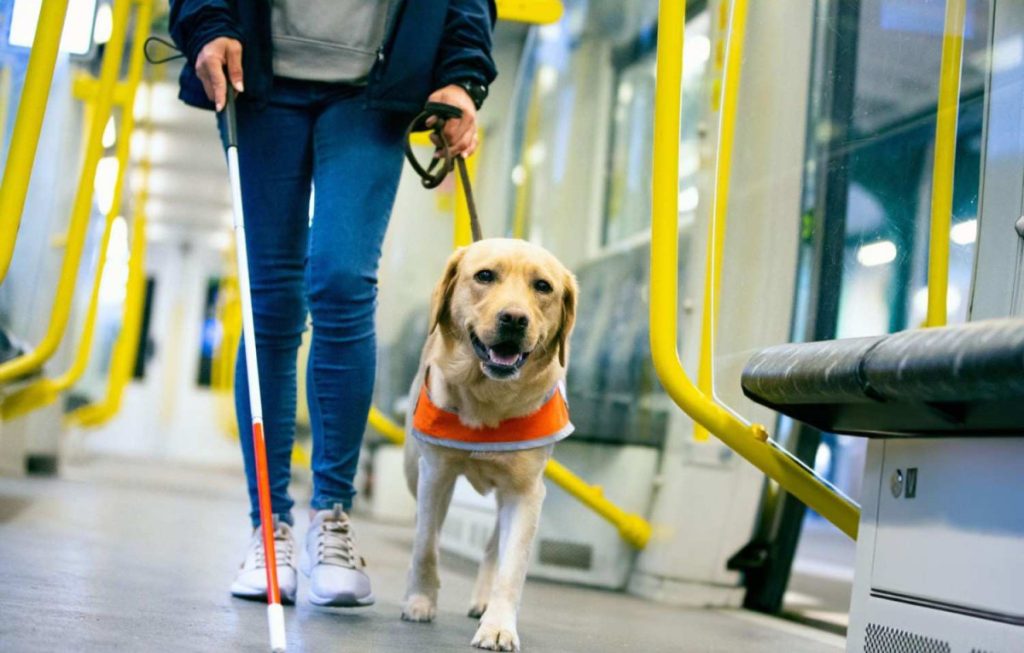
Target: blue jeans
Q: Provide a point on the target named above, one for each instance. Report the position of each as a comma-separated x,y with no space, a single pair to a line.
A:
321,134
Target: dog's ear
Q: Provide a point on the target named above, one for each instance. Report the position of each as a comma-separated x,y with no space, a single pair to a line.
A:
569,292
440,303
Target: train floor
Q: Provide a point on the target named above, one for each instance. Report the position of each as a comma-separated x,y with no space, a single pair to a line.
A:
137,556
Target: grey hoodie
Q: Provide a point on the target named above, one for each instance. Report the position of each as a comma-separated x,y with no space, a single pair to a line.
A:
328,40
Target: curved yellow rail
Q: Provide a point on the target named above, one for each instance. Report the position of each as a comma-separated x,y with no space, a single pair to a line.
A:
737,31
945,159
45,391
27,124
122,361
82,207
749,440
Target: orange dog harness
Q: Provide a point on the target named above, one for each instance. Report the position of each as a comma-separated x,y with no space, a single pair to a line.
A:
547,425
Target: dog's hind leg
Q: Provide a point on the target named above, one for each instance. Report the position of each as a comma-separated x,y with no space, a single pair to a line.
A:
485,576
433,494
518,518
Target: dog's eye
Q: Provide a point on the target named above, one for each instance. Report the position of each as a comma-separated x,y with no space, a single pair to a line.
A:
484,276
542,286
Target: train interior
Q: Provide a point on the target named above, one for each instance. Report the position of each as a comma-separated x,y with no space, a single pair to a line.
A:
820,129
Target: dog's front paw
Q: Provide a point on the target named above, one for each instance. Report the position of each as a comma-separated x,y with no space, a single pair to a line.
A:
418,608
476,609
496,637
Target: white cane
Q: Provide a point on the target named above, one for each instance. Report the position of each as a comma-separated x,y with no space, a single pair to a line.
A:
275,613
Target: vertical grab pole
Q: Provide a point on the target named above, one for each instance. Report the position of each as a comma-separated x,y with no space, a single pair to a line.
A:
749,440
275,613
945,159
736,33
27,124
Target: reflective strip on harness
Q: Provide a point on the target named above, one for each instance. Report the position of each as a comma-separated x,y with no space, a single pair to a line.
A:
549,424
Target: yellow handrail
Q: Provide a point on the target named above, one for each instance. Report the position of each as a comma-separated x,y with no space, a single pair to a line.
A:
749,440
27,125
122,361
539,12
719,211
46,390
82,207
389,429
945,159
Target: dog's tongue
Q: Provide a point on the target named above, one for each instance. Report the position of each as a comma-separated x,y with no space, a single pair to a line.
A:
503,359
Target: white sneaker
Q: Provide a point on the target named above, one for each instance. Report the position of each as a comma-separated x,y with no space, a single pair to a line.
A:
329,558
251,581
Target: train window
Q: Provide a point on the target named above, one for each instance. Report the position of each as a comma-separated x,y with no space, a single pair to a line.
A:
875,156
210,334
145,348
628,200
871,141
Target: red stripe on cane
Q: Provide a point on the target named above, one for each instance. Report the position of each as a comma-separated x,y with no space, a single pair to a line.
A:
266,515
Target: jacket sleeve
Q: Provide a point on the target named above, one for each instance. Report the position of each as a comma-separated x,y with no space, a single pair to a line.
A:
465,51
194,23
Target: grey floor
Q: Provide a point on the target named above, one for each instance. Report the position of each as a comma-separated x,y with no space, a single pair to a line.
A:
128,556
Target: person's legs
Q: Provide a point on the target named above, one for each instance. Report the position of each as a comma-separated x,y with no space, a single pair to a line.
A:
275,153
357,164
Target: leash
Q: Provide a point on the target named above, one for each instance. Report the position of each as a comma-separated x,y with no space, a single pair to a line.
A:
432,175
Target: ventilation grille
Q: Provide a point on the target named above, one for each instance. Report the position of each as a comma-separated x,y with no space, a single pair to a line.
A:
566,554
882,639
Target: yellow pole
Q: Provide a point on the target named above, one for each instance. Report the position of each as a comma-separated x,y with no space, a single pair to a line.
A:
389,429
632,527
719,211
27,124
749,440
82,207
122,361
540,12
46,390
945,159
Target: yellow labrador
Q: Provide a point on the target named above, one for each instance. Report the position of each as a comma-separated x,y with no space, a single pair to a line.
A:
501,317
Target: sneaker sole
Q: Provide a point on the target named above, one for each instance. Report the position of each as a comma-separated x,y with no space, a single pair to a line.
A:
341,601
346,600
286,599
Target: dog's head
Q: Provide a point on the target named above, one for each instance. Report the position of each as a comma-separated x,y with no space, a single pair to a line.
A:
509,302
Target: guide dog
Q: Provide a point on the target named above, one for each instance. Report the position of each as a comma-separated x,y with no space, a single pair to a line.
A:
489,405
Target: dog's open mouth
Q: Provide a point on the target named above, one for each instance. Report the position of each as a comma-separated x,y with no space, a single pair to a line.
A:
502,358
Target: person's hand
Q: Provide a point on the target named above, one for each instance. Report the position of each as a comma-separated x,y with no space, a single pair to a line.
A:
461,132
219,53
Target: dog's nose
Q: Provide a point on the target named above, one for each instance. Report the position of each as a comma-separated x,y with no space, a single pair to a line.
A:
513,320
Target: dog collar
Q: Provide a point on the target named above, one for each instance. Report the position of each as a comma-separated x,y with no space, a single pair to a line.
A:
547,425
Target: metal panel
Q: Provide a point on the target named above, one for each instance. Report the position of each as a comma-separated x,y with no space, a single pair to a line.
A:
956,543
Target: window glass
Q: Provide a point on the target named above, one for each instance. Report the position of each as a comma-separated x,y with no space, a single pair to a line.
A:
628,207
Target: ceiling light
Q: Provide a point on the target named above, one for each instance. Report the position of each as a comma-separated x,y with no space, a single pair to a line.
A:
964,233
880,253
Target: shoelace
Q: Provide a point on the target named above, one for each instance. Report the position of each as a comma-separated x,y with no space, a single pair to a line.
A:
334,543
283,550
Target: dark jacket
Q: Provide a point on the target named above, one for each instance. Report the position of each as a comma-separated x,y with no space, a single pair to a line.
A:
430,44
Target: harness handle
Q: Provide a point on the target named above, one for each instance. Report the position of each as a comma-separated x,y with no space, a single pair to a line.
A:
433,174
